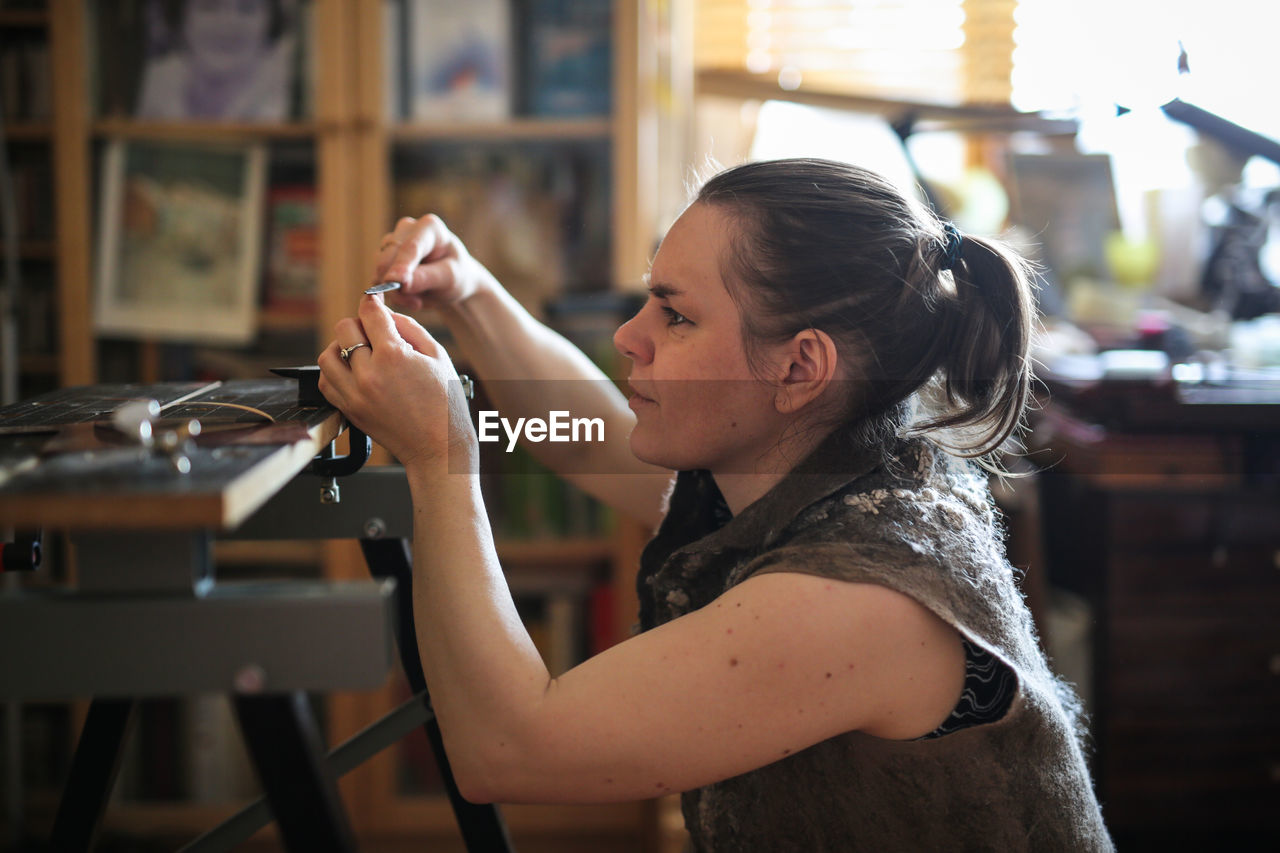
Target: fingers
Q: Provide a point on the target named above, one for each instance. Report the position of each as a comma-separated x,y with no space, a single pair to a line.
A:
377,323
348,331
419,241
390,245
415,335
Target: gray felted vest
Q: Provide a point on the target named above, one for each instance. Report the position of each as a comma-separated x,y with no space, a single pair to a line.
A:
921,522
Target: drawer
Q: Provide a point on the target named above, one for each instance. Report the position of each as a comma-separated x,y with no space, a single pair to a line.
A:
1182,658
1248,574
1181,688
1190,773
1161,521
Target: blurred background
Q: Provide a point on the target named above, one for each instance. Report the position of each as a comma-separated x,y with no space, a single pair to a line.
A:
195,189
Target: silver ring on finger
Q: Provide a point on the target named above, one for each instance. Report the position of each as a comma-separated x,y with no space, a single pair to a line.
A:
345,352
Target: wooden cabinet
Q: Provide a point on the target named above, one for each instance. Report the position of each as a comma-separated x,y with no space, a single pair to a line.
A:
1174,540
352,147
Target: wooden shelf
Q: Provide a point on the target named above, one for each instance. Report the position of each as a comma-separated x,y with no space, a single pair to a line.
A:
23,18
514,129
204,131
37,250
29,131
38,364
352,166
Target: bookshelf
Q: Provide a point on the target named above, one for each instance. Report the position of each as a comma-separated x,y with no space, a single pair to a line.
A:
354,151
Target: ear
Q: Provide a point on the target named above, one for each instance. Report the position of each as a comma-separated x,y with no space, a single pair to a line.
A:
806,366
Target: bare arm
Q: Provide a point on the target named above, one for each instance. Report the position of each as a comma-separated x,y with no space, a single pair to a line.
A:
776,664
529,368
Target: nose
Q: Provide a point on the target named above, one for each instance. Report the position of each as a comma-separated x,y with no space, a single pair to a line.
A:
631,341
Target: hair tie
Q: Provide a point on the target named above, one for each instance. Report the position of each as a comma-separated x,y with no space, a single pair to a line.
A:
951,248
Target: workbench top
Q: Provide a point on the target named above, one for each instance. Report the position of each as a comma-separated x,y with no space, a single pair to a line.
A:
63,465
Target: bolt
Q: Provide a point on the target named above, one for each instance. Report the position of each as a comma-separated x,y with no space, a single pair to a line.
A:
250,678
375,528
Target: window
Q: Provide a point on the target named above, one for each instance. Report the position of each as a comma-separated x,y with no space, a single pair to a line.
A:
945,51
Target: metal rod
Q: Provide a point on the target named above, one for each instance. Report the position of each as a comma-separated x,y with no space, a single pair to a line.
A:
93,774
285,745
344,758
481,825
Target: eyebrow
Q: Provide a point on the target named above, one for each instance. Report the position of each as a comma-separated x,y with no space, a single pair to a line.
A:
662,290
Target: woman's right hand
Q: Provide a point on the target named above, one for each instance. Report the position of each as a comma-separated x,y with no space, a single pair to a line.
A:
431,263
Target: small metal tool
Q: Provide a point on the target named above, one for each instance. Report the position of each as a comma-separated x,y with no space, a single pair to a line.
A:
385,287
138,421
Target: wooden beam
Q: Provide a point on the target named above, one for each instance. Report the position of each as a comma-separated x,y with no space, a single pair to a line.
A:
927,115
72,191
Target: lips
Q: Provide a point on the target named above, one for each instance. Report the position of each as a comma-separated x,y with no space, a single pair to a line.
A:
638,397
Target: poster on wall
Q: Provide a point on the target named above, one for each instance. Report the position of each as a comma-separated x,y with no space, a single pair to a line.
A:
179,241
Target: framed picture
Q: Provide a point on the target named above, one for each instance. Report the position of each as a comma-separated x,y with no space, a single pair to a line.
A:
179,60
179,241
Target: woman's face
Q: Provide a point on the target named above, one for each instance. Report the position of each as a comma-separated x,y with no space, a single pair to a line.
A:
224,36
697,402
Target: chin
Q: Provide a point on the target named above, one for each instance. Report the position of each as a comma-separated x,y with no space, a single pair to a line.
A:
654,451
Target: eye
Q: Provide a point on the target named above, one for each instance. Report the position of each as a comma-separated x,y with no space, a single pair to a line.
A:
674,318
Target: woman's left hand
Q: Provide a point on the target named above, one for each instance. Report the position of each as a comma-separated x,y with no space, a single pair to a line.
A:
398,385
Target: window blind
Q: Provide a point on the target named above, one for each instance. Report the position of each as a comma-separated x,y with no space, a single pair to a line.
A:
940,51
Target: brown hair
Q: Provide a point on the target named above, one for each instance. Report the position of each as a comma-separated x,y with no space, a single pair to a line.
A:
835,247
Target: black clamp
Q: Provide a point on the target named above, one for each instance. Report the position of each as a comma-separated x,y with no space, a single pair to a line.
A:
329,464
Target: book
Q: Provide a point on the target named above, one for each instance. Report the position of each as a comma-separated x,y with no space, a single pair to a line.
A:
568,64
292,250
459,57
25,83
32,176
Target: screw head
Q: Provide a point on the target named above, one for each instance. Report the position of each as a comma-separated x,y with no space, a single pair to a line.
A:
250,678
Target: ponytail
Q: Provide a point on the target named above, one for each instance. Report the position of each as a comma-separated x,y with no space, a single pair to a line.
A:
986,374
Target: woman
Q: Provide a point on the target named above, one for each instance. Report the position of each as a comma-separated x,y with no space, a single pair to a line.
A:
833,652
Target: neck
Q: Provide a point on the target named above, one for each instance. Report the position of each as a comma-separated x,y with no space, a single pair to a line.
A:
743,488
